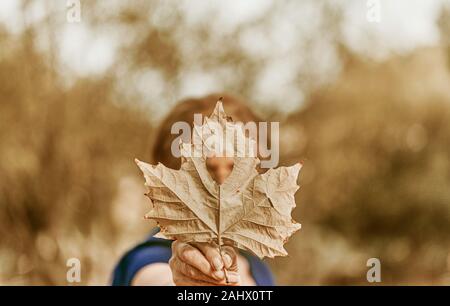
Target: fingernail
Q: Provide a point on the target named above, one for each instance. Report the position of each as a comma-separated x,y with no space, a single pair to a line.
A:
219,274
227,260
218,265
233,278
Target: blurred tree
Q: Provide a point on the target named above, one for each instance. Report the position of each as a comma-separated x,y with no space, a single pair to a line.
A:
375,136
444,26
377,143
62,152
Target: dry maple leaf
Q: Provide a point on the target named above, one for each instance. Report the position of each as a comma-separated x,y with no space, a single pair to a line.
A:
248,210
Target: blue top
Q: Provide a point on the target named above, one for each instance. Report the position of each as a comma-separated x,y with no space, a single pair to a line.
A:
154,250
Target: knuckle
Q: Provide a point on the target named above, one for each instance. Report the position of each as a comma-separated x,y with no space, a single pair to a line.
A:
191,272
229,250
188,254
175,243
174,246
210,251
172,262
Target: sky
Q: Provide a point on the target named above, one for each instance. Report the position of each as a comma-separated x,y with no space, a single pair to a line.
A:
403,26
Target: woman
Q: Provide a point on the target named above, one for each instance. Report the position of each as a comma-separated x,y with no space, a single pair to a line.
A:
163,262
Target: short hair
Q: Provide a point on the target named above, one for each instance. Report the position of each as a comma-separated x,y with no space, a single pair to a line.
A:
234,107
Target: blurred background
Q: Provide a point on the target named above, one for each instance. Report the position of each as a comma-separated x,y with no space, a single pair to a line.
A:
365,102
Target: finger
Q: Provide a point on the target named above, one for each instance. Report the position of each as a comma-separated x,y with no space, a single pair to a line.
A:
182,280
229,256
180,267
232,278
185,281
195,258
212,254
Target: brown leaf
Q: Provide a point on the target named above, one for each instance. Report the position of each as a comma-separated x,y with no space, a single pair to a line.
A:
249,210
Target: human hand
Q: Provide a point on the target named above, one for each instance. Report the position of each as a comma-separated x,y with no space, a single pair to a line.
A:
202,264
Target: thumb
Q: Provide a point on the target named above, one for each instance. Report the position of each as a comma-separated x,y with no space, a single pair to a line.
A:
229,257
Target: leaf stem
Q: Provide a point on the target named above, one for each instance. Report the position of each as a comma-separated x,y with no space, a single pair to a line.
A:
219,237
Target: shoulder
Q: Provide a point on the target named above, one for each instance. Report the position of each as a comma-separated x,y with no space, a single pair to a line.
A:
152,250
155,274
260,270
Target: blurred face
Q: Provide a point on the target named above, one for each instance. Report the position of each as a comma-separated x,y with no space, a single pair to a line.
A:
219,167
